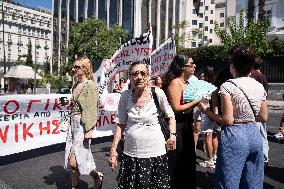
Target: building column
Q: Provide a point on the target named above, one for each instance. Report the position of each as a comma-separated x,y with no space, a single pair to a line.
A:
167,20
137,18
120,13
77,11
174,17
52,31
97,9
158,23
107,12
67,25
59,35
86,9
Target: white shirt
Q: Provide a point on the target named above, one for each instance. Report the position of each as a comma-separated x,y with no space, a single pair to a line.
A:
143,135
242,111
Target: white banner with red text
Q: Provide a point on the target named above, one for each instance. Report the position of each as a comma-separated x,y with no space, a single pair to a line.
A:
139,48
31,121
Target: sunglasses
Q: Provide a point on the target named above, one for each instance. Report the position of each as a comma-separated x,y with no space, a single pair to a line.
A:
136,73
77,67
191,65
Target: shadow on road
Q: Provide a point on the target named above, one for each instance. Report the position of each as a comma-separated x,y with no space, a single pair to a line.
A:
204,179
275,173
43,151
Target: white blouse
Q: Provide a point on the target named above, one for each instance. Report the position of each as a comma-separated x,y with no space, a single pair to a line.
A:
143,135
242,111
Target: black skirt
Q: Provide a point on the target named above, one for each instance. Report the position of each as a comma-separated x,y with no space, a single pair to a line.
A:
143,173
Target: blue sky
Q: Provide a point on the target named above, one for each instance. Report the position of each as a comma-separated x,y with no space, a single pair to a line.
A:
36,3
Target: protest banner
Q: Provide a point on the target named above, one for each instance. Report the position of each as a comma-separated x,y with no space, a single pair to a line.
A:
162,57
139,48
31,121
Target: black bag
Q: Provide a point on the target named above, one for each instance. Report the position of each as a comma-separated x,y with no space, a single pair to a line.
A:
161,117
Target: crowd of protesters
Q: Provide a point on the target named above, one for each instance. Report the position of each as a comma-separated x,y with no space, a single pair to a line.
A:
231,120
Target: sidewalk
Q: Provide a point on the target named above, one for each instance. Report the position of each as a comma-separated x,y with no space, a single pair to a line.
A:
275,104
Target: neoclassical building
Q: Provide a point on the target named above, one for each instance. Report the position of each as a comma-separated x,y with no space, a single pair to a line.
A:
21,25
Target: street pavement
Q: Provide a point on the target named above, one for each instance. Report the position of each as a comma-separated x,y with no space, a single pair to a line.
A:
43,168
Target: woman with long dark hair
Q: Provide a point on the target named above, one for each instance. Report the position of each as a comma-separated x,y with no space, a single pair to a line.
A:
182,161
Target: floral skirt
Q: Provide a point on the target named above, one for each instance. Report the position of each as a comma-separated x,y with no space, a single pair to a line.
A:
143,173
77,144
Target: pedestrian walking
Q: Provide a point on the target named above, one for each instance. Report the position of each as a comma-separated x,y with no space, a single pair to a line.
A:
240,152
182,161
78,155
144,162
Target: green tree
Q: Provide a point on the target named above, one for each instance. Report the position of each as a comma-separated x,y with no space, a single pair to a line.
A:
253,34
29,57
251,11
92,38
46,64
181,37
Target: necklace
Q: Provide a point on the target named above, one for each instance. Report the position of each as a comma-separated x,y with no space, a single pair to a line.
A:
185,82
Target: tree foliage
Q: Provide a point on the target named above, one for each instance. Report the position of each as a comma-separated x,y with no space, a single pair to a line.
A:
92,38
253,34
181,37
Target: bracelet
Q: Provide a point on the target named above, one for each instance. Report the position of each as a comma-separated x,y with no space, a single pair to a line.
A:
175,134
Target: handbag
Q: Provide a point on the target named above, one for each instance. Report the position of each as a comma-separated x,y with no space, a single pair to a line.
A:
161,117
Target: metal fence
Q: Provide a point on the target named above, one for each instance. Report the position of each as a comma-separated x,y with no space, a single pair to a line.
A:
273,69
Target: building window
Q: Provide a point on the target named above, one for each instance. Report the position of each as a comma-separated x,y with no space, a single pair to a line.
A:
199,45
206,7
194,22
211,11
211,31
193,11
19,30
200,15
193,44
222,15
210,40
206,18
267,15
201,4
19,50
206,28
211,21
205,38
200,25
199,36
222,24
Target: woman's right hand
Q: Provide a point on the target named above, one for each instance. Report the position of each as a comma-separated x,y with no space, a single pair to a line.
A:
113,155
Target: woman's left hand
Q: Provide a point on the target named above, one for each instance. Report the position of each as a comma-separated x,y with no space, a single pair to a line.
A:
171,143
89,134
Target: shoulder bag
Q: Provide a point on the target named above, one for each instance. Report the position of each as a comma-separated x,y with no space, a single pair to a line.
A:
161,117
254,113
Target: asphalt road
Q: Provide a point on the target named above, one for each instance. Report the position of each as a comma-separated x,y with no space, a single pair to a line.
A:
43,168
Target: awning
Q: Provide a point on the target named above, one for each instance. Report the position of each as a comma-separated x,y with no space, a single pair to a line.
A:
22,72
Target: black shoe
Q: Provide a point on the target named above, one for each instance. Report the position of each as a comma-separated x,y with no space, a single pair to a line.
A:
265,165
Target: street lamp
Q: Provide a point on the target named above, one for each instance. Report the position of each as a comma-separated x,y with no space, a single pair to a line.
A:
4,58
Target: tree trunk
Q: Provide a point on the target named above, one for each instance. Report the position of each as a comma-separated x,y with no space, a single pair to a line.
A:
261,4
250,13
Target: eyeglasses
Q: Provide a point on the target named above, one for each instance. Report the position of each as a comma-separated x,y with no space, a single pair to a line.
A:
190,65
77,67
136,73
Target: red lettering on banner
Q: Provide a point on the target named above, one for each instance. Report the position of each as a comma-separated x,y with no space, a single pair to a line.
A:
26,131
47,104
7,103
55,130
99,122
31,103
16,132
47,128
4,136
105,120
56,105
112,117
